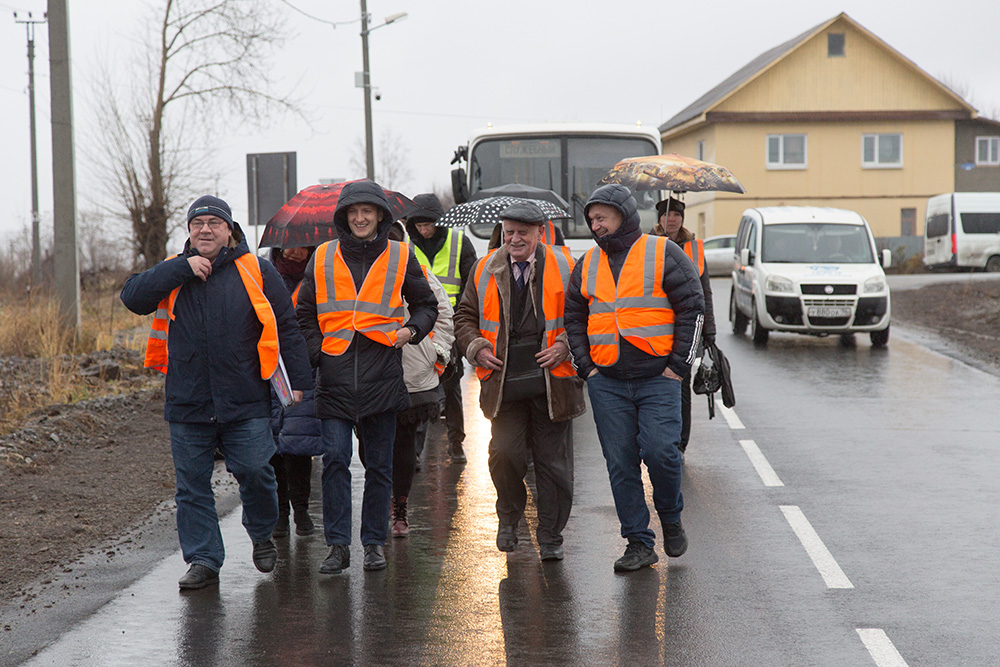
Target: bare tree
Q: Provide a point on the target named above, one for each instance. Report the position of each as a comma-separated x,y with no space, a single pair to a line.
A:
205,71
392,161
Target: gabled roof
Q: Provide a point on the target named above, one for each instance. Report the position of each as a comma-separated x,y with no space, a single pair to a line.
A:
765,60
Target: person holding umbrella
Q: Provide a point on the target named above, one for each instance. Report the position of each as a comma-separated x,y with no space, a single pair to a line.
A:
509,324
351,312
670,223
634,312
446,253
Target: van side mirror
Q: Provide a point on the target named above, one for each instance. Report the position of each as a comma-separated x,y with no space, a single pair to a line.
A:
459,187
746,259
886,258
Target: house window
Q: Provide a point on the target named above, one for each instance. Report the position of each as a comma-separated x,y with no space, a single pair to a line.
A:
881,151
835,45
786,151
701,150
987,151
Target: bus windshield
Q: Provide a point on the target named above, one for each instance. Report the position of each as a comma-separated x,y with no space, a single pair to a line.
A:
809,243
571,165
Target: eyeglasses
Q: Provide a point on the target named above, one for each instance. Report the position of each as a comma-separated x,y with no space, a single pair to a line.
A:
214,225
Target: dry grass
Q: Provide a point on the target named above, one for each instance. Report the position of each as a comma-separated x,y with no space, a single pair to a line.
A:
43,357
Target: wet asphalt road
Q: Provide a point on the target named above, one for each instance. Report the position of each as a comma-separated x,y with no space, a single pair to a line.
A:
845,513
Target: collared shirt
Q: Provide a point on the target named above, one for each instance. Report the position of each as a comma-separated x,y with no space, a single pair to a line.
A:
516,270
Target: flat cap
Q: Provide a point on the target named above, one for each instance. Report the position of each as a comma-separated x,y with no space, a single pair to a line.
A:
523,211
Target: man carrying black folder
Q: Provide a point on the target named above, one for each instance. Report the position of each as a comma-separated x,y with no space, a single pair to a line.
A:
224,321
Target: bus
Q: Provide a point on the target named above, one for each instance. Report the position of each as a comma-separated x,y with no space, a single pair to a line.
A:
568,158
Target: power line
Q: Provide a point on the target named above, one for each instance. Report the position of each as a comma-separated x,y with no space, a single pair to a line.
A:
316,18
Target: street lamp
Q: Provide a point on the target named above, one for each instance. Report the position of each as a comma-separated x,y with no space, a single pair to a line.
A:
367,83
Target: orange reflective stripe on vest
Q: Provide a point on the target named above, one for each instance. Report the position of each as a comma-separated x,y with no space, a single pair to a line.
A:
695,249
548,233
376,311
295,295
636,308
267,347
555,275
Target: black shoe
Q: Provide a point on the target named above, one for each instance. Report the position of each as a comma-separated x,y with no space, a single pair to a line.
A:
265,555
457,453
198,576
550,552
636,555
337,560
281,528
374,558
675,542
507,536
303,523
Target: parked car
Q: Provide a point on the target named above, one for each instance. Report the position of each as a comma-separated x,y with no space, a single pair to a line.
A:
808,270
719,254
962,231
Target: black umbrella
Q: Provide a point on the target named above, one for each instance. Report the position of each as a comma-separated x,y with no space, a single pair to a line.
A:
487,211
522,191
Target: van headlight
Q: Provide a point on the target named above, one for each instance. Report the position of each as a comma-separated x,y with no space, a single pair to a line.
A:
778,284
876,284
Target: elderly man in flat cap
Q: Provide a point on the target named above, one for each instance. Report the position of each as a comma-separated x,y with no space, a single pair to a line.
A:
509,325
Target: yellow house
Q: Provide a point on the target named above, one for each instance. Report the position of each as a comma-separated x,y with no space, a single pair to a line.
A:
833,117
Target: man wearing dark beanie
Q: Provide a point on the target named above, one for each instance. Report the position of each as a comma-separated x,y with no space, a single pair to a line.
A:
223,323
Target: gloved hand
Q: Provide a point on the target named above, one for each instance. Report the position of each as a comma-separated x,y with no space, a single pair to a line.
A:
708,340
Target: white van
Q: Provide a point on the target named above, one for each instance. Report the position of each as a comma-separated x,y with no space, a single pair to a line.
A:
962,230
808,270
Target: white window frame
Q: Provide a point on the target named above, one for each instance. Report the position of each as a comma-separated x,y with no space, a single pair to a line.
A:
876,164
992,151
781,164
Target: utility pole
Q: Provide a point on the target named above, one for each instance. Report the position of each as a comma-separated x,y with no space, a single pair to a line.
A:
369,149
67,268
36,246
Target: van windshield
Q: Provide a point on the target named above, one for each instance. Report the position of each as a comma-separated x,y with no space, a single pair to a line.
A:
808,243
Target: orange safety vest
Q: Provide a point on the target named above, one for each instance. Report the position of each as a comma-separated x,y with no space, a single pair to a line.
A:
556,273
695,249
253,282
295,295
376,311
636,308
548,233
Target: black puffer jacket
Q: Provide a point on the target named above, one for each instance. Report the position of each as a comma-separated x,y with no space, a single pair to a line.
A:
680,282
368,377
214,368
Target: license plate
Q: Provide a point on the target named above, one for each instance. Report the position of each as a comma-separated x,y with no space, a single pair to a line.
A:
829,311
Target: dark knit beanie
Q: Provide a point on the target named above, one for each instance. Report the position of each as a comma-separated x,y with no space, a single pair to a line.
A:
670,204
209,205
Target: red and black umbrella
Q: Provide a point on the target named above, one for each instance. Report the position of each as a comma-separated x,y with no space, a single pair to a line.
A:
307,218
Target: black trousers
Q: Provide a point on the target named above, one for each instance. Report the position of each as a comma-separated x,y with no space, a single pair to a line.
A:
404,458
453,415
685,411
293,474
518,426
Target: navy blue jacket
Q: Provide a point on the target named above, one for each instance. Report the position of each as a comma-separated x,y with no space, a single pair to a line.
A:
680,282
214,368
368,377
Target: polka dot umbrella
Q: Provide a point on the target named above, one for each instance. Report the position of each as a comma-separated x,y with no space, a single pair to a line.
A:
487,211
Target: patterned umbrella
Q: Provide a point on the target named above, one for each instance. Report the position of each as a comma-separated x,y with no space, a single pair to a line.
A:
671,172
307,218
487,211
523,191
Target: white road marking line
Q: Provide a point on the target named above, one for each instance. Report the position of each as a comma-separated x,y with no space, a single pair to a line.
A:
820,555
764,469
881,647
731,418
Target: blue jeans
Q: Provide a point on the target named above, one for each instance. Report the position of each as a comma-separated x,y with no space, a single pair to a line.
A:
639,421
377,433
248,447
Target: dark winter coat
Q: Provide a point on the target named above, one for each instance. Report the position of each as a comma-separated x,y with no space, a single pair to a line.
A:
214,369
295,427
708,335
680,282
368,377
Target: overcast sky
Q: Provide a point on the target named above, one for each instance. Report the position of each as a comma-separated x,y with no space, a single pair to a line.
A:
454,65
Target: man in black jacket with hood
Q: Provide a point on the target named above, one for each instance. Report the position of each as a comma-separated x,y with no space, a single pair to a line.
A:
350,311
450,256
634,312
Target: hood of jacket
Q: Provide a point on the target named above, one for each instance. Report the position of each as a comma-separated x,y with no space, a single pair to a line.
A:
362,192
427,208
621,198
